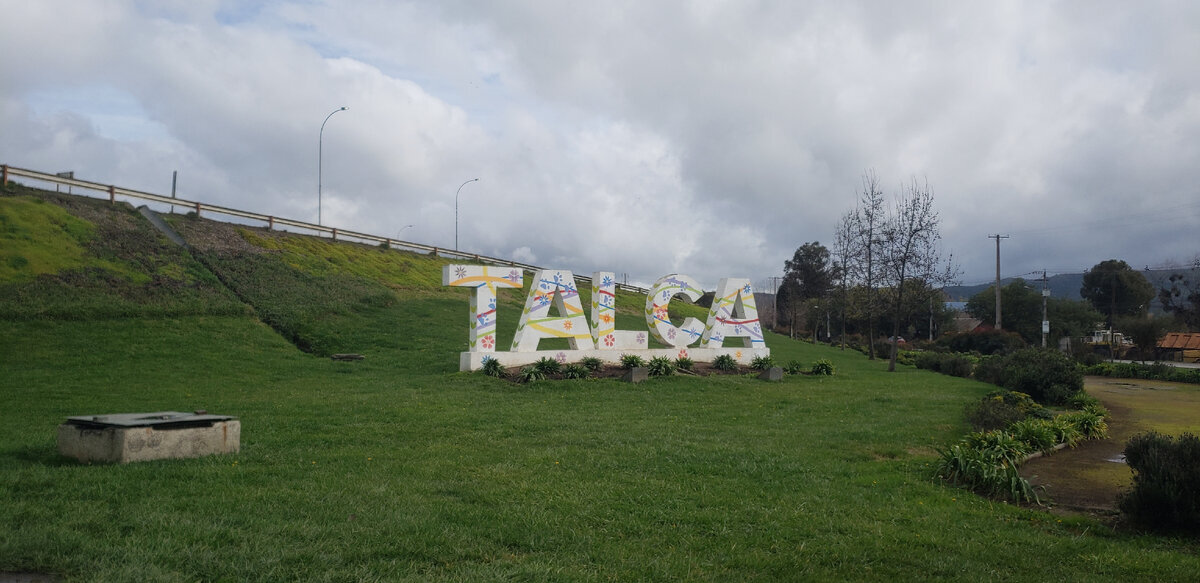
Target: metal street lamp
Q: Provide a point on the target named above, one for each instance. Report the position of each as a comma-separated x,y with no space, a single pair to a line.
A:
456,210
402,230
320,144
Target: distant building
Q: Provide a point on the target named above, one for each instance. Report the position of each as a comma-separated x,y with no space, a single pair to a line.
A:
1180,346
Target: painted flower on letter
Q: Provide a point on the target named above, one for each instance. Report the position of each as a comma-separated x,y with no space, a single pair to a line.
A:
461,272
683,353
488,341
561,357
609,340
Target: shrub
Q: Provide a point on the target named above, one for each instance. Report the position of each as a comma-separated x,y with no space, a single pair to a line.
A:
547,366
531,373
629,361
684,363
1049,376
575,371
794,367
822,367
592,363
492,368
999,409
1166,481
983,342
989,369
908,357
724,362
762,363
660,366
958,365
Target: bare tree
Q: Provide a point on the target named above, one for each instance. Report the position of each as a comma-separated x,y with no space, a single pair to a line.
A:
869,223
910,250
843,251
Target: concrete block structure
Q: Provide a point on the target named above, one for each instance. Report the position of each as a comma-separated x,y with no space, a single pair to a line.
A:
135,437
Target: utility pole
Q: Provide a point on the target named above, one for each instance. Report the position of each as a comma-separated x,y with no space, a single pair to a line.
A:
997,237
1045,317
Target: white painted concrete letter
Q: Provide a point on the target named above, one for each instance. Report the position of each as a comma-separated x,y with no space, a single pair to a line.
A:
733,315
485,280
557,288
657,318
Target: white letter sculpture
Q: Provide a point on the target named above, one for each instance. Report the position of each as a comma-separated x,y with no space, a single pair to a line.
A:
733,315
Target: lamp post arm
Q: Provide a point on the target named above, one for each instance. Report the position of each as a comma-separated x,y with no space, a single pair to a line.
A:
456,193
320,158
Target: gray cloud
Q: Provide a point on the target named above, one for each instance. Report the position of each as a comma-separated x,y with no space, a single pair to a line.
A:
641,138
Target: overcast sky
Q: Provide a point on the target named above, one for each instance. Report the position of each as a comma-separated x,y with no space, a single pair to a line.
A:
708,138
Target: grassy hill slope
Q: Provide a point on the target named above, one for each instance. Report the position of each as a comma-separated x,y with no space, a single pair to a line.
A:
398,467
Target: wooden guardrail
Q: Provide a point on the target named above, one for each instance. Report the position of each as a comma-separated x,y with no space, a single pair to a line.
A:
112,192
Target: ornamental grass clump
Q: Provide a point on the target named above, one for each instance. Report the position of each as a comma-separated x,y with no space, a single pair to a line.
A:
592,363
762,363
548,366
822,367
1036,433
575,371
1089,422
530,374
794,367
660,366
987,464
1066,431
725,363
684,363
492,368
629,361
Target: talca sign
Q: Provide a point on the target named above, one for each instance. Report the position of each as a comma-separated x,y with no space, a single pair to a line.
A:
733,319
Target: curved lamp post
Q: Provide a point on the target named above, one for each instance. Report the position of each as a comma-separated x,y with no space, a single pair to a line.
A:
456,210
402,230
320,144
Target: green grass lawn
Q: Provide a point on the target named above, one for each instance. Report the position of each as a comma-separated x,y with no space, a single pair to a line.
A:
398,467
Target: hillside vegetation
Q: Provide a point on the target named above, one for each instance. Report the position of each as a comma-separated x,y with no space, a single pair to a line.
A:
400,468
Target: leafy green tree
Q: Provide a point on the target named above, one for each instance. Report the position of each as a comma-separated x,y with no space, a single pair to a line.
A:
1116,289
808,275
1023,312
1144,332
1182,298
1022,308
1072,318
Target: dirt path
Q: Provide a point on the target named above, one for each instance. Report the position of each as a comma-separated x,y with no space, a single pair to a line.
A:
1091,476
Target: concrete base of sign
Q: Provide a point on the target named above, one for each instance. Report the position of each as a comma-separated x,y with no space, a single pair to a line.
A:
474,360
774,373
636,374
135,444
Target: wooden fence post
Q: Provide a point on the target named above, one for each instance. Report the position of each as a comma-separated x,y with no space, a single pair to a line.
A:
270,223
335,234
112,194
197,210
4,181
